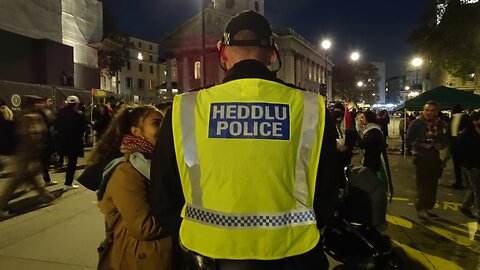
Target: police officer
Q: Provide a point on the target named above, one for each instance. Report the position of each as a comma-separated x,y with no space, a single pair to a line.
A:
246,163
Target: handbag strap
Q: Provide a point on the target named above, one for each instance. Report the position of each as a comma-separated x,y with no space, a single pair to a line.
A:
109,233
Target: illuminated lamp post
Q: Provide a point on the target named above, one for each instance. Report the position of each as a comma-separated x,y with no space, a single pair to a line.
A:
417,63
326,44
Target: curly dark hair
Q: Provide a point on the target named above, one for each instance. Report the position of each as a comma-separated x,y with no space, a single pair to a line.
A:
127,117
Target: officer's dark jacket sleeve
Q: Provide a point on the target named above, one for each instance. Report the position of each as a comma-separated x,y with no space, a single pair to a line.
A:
326,189
166,195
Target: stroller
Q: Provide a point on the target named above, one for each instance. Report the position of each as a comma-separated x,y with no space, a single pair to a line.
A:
353,237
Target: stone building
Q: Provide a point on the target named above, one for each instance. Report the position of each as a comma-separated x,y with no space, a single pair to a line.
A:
192,47
143,74
47,42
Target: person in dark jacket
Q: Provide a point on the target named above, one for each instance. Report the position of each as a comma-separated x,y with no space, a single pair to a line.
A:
167,197
101,120
346,136
469,146
70,125
383,119
426,135
370,140
458,122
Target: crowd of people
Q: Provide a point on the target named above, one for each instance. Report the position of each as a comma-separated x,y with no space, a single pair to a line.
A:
179,185
36,139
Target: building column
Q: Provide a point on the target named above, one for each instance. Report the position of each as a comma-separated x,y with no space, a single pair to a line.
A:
185,76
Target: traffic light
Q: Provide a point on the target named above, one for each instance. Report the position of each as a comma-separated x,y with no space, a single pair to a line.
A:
323,89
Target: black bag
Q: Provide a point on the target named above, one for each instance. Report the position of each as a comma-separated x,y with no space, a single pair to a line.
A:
91,177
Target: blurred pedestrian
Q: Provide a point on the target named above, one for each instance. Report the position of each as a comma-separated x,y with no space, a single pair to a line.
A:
247,163
101,120
403,127
46,159
5,112
137,239
469,146
426,135
7,138
458,122
31,134
383,119
70,125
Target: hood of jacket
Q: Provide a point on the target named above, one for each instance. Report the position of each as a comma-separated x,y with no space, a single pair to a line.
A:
138,161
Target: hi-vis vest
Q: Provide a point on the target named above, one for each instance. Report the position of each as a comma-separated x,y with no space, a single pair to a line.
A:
248,153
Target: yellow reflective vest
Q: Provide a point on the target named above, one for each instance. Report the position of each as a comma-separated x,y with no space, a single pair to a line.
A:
248,153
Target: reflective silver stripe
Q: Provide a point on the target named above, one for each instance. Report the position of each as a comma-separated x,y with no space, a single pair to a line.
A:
190,154
278,220
311,112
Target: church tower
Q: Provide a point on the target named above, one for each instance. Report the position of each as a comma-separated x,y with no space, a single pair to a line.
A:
233,7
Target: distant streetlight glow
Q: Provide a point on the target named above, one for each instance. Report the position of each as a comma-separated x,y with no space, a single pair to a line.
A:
417,61
360,84
326,44
355,56
140,56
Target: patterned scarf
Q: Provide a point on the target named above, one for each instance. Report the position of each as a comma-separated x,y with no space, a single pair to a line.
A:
139,144
432,126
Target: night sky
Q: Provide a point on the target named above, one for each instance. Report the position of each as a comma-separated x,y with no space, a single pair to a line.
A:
378,29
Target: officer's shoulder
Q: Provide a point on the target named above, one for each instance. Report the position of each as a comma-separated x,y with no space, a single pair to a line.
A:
200,88
293,86
296,87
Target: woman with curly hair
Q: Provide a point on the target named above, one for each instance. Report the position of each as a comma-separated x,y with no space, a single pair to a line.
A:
134,239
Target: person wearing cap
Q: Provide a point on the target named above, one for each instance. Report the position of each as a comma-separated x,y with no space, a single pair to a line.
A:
246,163
70,124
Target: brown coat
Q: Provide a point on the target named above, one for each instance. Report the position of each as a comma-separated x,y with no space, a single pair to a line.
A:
138,241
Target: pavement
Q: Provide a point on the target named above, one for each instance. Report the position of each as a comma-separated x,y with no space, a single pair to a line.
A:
65,235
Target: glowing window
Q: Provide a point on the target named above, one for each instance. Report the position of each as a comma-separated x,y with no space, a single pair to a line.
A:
197,70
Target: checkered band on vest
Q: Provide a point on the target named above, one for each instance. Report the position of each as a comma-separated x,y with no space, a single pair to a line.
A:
217,219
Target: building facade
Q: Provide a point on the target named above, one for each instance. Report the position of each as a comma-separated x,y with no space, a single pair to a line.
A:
395,89
381,82
143,74
44,40
193,48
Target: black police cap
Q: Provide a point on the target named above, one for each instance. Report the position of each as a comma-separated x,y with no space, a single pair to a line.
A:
252,21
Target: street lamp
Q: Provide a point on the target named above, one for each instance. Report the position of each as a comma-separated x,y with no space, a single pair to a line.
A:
326,44
355,56
417,62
